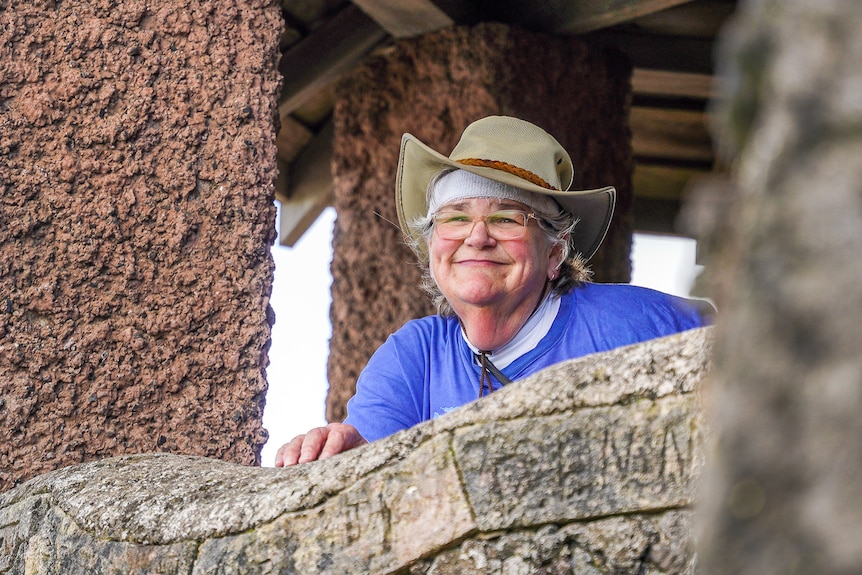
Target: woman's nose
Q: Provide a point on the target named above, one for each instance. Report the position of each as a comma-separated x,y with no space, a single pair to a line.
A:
479,234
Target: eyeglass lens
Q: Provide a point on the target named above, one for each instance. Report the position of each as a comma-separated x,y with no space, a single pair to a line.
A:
502,225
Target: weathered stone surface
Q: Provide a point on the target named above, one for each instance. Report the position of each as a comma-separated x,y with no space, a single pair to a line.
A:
60,546
784,493
587,467
137,161
433,87
591,463
649,544
385,519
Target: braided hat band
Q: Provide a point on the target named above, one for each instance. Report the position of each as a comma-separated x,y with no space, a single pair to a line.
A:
505,167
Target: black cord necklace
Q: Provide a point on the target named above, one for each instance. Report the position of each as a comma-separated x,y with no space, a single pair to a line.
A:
488,366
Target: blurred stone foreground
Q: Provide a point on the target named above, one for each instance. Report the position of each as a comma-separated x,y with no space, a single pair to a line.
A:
590,466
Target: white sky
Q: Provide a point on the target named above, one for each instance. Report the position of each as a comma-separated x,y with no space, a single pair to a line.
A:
300,337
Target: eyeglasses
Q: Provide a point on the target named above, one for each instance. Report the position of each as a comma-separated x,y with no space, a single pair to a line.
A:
502,225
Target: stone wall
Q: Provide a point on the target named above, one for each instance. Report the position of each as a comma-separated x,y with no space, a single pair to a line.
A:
433,87
590,466
137,158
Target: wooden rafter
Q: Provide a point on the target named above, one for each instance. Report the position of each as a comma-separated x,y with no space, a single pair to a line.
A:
325,54
310,187
405,18
588,15
664,83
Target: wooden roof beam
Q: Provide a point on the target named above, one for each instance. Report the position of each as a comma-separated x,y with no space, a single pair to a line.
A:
662,183
305,187
588,15
664,83
405,18
681,135
325,54
570,16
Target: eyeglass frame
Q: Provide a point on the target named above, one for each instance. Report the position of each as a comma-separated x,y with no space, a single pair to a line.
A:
488,226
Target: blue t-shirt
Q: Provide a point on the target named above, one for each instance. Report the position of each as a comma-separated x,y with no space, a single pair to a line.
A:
426,368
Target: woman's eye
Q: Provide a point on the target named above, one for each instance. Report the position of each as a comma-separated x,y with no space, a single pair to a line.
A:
454,218
504,219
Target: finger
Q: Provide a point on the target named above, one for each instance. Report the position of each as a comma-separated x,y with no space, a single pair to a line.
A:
312,444
335,444
288,454
341,438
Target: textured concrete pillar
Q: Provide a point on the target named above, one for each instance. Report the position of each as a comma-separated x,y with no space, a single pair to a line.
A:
136,166
433,87
784,492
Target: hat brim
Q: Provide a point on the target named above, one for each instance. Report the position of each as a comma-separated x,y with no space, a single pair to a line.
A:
418,164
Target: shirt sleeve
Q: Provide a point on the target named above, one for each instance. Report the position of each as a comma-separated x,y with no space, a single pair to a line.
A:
607,316
388,391
682,314
662,315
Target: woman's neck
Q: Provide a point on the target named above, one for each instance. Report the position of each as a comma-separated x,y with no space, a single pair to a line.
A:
490,327
488,331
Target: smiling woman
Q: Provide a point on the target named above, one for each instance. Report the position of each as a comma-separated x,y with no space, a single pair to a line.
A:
511,290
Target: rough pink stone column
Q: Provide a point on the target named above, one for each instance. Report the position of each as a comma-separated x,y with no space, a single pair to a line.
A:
136,165
433,87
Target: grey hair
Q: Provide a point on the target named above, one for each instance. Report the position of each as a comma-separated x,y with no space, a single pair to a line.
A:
557,229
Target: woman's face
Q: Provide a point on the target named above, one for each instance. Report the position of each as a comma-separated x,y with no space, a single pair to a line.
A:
483,271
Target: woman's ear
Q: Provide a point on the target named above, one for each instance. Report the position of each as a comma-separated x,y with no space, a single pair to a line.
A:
555,260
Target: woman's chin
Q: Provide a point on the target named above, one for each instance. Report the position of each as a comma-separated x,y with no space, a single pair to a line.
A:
477,297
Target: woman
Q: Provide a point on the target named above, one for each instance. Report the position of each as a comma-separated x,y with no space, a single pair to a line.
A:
504,245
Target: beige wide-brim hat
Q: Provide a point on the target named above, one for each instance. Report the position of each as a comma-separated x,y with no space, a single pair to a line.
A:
513,152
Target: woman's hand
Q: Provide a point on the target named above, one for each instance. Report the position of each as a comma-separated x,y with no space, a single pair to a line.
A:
319,443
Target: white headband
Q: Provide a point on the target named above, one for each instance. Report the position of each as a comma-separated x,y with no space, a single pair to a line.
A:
461,185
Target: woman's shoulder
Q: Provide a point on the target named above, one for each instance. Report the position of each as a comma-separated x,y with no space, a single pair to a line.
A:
639,301
431,322
428,327
615,291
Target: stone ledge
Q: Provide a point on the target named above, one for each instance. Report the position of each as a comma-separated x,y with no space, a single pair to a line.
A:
616,436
